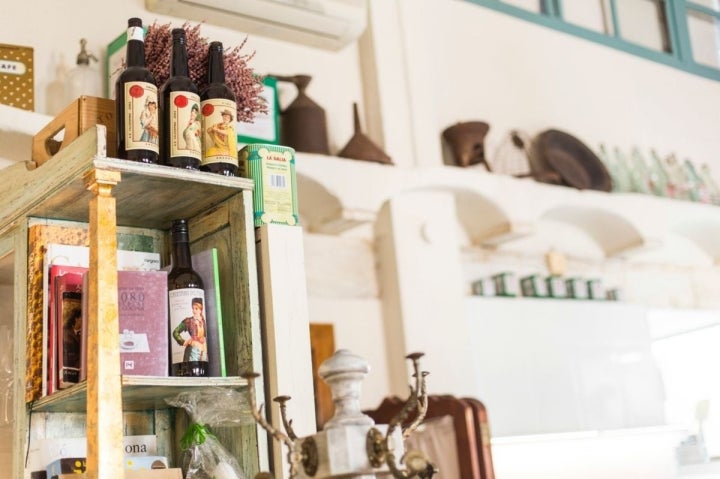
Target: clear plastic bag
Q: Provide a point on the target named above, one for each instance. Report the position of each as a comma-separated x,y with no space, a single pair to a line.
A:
203,455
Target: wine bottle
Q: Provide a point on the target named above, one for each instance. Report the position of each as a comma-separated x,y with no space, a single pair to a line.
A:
136,102
186,302
180,111
219,112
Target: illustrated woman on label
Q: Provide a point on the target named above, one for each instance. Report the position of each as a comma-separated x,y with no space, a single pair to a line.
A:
191,133
149,122
194,326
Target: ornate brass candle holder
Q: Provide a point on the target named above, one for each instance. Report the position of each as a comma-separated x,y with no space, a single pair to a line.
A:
350,444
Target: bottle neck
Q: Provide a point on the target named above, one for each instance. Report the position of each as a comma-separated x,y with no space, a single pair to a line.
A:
179,65
181,252
216,67
135,46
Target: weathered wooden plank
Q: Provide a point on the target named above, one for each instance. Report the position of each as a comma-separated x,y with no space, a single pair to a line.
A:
138,392
287,330
20,251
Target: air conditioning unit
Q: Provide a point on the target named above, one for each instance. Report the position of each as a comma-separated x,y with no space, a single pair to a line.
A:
329,24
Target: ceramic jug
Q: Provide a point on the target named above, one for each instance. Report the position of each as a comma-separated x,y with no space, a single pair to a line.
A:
302,123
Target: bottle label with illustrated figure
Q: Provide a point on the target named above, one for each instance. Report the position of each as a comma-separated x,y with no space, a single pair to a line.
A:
188,326
219,136
141,116
185,126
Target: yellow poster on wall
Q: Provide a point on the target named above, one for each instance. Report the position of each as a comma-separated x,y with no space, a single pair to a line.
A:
16,76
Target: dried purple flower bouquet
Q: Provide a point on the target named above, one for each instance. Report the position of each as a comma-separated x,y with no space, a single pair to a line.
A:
239,77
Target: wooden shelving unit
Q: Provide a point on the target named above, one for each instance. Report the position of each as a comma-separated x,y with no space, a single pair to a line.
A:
81,184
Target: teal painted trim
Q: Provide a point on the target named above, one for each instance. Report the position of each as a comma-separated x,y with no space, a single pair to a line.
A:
681,61
684,50
615,20
558,9
675,39
547,7
703,9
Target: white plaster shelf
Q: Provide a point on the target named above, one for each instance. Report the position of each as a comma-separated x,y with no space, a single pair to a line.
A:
338,194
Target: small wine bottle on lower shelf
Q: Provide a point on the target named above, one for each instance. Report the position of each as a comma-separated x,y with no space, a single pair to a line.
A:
186,302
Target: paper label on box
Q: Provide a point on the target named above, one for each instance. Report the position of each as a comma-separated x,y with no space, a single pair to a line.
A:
44,451
273,170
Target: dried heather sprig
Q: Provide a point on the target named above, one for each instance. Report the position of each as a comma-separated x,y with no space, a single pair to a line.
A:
239,76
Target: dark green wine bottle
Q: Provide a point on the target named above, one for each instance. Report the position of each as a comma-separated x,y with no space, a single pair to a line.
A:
186,303
136,103
219,113
180,111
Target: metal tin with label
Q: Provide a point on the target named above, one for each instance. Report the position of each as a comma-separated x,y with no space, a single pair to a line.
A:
483,287
533,286
576,288
556,287
505,284
595,288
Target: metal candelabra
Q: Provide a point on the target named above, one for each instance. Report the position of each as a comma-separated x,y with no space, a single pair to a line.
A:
344,434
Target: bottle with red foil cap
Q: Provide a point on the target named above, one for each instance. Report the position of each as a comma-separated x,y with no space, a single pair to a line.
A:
137,103
180,111
219,114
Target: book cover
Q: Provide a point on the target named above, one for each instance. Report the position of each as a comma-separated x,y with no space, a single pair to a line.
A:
205,263
58,260
143,309
67,323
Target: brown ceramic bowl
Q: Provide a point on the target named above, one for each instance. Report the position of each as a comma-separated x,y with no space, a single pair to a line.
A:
554,151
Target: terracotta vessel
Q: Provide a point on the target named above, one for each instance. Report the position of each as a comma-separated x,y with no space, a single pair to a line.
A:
466,142
360,147
302,123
